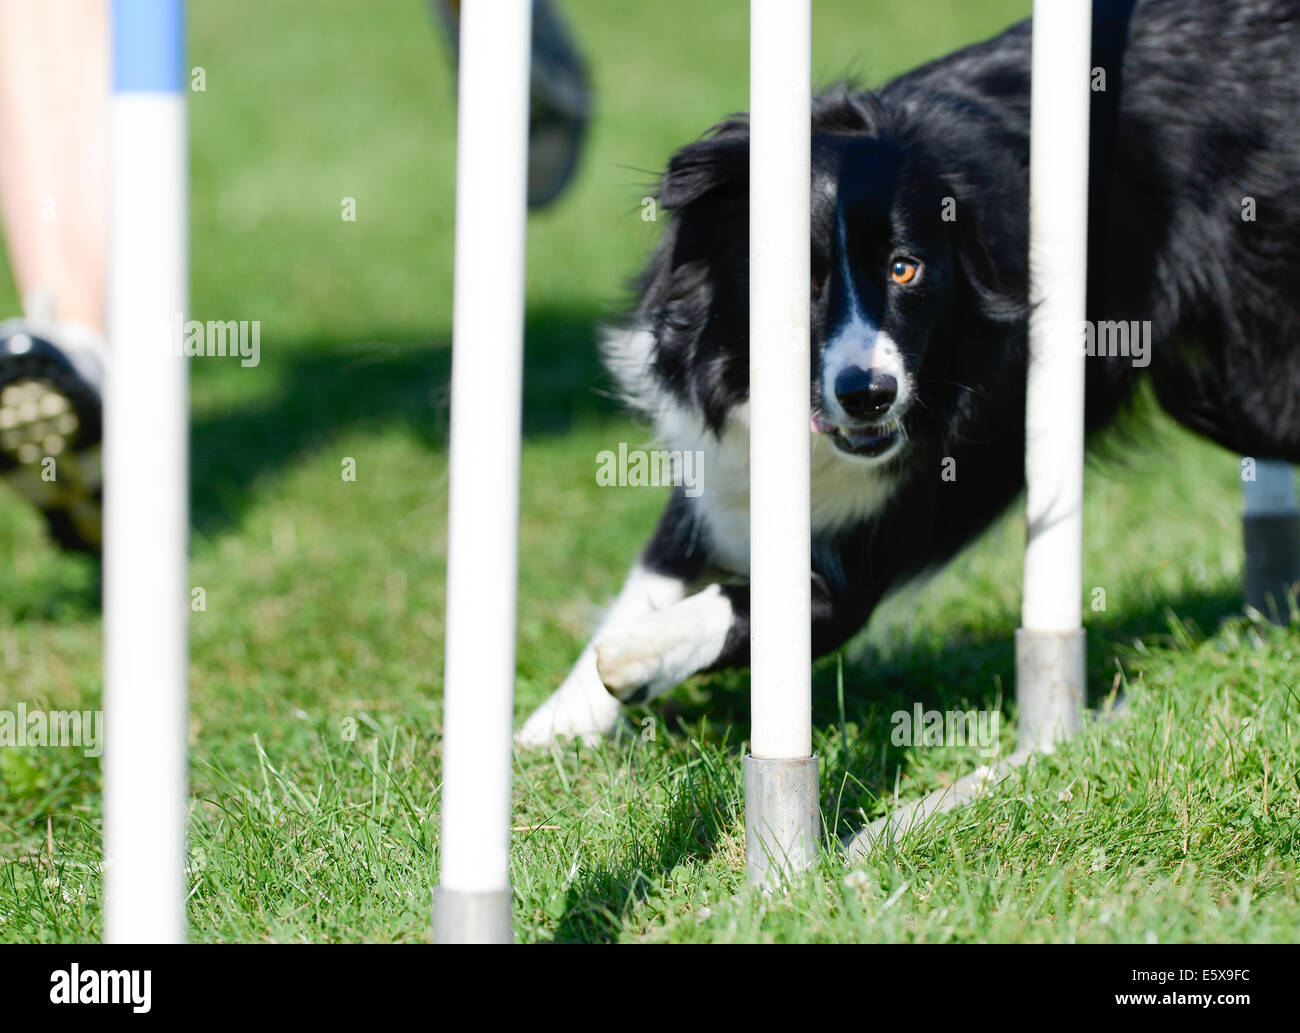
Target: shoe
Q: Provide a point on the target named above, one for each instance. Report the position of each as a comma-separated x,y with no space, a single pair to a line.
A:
51,427
559,100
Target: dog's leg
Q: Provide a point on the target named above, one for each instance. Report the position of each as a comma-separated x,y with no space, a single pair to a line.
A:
582,706
707,631
639,659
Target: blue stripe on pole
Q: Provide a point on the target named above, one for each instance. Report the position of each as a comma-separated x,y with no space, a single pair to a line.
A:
148,46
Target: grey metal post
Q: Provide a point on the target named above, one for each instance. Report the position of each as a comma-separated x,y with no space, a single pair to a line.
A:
1271,533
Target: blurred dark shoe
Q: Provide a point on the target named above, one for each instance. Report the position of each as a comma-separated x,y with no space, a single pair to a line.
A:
51,428
559,100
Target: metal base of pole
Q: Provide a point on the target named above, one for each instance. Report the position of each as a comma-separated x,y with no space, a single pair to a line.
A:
463,916
1051,680
1272,562
782,818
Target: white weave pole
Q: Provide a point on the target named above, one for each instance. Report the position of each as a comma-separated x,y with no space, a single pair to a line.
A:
781,801
1271,534
146,478
1050,644
473,901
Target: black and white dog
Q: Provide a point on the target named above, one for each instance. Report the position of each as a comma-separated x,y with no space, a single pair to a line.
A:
919,315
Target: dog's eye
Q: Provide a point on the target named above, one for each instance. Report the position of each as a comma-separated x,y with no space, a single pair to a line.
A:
903,270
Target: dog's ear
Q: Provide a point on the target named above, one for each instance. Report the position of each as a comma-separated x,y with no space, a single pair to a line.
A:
847,108
998,284
718,161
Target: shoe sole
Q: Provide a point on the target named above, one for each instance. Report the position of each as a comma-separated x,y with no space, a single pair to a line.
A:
50,435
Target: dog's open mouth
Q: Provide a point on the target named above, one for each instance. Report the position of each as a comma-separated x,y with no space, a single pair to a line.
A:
866,439
870,440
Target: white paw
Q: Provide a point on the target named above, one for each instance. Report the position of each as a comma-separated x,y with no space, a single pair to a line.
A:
645,657
629,659
581,708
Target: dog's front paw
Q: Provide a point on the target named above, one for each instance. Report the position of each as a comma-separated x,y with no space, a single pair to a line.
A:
581,708
629,662
639,660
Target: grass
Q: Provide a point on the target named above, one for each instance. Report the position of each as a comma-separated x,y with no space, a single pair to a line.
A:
316,664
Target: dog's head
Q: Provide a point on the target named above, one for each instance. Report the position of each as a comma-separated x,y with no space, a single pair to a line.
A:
902,271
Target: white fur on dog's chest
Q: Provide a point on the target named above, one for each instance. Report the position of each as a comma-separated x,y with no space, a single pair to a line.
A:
844,492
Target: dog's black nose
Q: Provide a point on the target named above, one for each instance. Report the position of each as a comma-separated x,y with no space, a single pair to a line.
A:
865,394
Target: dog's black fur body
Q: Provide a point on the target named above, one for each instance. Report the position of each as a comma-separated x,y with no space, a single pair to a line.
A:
1201,110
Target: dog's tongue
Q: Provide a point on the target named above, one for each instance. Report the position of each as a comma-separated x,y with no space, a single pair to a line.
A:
818,425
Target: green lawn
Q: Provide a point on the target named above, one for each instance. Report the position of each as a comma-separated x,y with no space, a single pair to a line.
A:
316,667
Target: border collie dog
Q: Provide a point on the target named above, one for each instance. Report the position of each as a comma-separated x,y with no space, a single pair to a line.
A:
919,316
